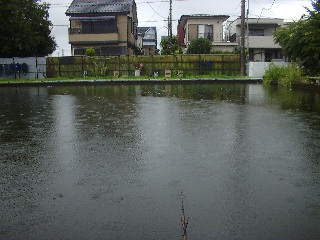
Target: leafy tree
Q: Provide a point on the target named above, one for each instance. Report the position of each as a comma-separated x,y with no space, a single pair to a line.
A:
90,52
166,49
300,40
200,46
25,29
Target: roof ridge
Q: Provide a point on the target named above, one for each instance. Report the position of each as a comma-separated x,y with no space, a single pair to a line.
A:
98,6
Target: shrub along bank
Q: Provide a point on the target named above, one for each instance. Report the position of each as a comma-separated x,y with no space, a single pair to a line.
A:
284,76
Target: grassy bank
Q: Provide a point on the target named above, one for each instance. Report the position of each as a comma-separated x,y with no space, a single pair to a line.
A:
123,78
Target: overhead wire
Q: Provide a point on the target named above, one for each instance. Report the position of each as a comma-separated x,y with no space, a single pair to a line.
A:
259,8
236,10
160,7
156,11
64,4
267,9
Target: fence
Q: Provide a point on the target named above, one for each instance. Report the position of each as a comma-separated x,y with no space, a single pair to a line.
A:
78,67
23,68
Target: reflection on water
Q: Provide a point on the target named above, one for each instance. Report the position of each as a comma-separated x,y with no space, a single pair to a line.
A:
233,92
108,162
295,100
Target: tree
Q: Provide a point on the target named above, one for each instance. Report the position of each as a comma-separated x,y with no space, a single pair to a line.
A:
25,29
90,52
200,46
167,48
300,40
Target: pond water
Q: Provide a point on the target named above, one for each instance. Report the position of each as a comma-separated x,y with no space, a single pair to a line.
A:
119,162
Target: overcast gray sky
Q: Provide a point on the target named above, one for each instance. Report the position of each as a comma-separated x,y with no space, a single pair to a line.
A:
155,13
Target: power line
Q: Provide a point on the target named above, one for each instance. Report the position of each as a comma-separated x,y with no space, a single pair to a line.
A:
267,9
57,5
156,11
159,1
236,10
152,17
66,25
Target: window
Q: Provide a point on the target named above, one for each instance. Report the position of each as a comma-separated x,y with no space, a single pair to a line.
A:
205,31
93,25
75,27
256,32
133,27
79,51
96,27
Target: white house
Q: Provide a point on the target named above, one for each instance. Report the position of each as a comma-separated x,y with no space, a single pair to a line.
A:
258,37
147,40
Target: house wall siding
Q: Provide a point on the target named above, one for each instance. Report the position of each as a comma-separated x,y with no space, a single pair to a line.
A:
122,27
192,29
94,38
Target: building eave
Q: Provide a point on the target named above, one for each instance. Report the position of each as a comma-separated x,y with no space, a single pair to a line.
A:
185,18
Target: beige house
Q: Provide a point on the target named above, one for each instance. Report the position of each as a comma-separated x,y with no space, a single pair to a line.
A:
211,27
258,38
108,26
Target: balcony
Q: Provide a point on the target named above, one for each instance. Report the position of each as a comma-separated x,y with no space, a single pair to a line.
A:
262,42
92,38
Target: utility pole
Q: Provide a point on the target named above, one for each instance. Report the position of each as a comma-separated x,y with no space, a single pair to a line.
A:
248,59
242,39
170,25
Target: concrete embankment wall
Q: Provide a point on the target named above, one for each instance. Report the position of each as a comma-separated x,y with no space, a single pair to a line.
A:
258,69
23,68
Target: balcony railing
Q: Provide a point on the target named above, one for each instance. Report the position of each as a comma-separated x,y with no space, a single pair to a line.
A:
262,42
79,30
93,38
75,31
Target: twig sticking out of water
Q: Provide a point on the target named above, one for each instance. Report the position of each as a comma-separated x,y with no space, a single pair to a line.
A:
184,220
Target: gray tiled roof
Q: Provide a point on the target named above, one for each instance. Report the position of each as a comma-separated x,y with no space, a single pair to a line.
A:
142,30
99,6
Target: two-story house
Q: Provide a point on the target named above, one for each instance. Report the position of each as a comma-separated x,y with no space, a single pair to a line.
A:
147,40
108,26
259,38
211,27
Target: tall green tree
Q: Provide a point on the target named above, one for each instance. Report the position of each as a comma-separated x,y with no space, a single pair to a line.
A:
200,46
25,29
300,40
167,48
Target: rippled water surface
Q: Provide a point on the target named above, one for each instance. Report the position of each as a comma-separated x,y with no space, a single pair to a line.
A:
115,162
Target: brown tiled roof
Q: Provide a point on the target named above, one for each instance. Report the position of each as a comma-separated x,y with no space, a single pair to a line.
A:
99,6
